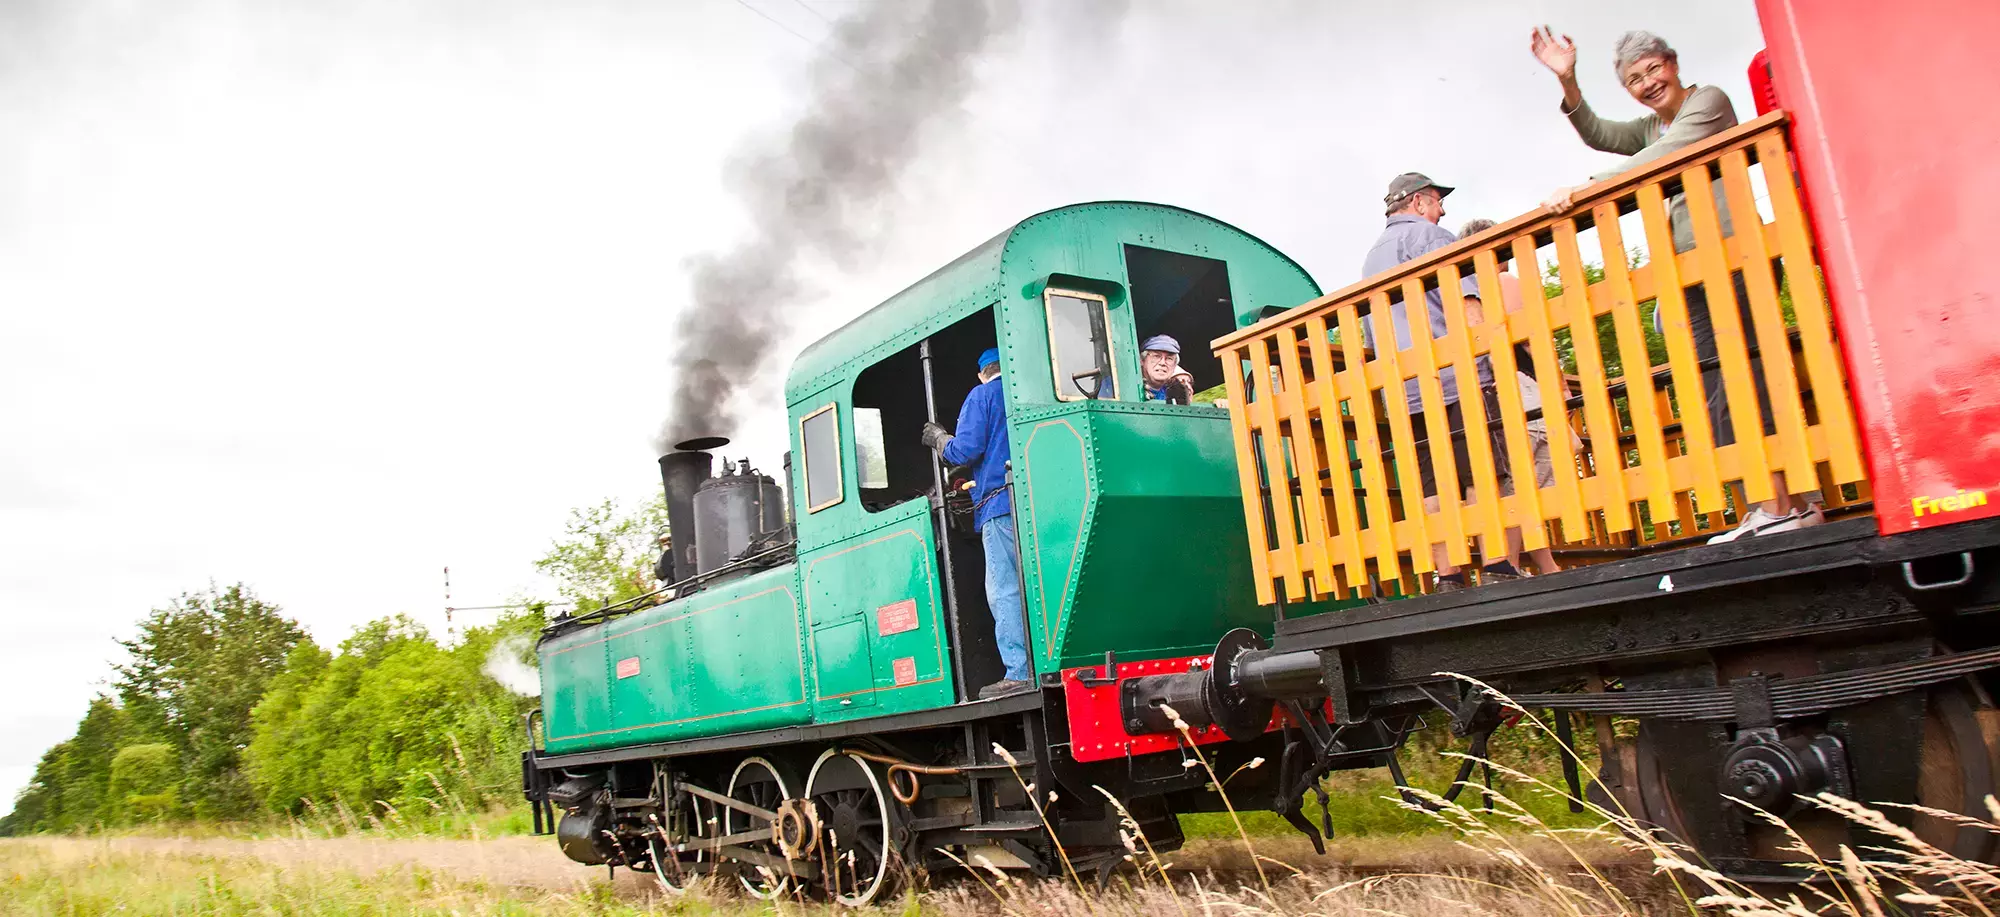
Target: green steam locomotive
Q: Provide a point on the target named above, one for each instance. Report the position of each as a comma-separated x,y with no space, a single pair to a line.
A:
811,684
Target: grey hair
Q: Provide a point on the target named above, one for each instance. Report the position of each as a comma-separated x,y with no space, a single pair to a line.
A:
1475,227
1634,46
986,375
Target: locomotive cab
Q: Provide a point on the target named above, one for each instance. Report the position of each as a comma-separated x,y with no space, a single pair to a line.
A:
1111,493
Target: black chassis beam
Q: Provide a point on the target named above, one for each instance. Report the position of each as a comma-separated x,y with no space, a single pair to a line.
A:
791,735
1836,577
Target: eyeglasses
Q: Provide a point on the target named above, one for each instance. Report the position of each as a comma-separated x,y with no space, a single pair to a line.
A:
1161,355
1653,69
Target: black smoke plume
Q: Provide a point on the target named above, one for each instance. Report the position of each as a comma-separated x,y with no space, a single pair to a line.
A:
885,82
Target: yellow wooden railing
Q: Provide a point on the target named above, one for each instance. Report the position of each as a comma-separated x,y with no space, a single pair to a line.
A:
1309,412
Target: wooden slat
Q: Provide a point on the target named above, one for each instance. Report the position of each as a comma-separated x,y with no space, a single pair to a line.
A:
1730,342
1306,462
1527,498
1449,524
1822,358
1541,345
1285,566
1233,367
1368,445
1347,548
1681,354
1483,516
1774,343
1600,419
1639,393
1396,405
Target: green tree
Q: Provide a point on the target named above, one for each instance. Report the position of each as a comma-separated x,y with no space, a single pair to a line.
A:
606,555
39,804
198,668
85,782
143,780
282,775
393,721
71,785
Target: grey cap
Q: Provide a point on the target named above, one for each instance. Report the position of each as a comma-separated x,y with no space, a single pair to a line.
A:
1409,183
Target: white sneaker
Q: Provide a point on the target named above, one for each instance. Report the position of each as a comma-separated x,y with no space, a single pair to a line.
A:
1759,522
1811,515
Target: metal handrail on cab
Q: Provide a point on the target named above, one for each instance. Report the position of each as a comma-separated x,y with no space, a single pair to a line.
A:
1308,405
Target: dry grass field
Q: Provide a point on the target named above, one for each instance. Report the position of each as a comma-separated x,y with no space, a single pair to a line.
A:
1485,869
1505,861
518,875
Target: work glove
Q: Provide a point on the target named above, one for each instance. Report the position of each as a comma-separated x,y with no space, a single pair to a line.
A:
1177,391
936,437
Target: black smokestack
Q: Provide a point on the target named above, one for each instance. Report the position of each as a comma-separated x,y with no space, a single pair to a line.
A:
680,474
888,79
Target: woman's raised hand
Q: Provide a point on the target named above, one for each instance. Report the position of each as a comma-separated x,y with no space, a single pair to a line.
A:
1557,54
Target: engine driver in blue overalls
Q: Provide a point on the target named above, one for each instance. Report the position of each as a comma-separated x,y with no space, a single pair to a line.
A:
981,441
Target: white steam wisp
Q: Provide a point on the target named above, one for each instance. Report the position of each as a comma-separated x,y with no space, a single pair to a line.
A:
504,665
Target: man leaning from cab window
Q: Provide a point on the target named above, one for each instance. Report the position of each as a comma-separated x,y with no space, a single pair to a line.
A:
1160,365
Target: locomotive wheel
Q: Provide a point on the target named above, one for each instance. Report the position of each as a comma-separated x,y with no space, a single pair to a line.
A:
853,851
691,821
1959,767
759,783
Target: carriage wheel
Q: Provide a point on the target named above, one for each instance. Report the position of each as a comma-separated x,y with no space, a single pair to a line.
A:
757,782
853,852
1959,766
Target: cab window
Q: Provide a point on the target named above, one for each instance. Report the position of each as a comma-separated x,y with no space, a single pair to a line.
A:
1186,297
1080,345
891,463
819,441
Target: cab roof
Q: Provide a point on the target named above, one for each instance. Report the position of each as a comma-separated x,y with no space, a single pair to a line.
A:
1020,255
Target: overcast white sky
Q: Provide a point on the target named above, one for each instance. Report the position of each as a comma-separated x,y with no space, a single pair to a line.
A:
326,297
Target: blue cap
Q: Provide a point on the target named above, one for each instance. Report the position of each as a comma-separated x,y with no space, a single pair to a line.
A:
1162,343
989,357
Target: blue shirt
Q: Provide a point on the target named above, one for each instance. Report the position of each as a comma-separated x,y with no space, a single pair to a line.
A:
981,437
1408,237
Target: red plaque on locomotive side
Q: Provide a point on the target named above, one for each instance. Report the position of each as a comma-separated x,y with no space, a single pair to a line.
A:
896,618
628,667
906,671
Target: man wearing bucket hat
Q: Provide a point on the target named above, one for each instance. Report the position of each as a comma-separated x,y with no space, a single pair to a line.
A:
1160,365
981,442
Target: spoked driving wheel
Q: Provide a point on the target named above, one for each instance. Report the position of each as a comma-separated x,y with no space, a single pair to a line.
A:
1959,766
691,819
759,783
677,872
853,851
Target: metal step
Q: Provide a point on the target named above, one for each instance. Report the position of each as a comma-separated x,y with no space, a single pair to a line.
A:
1005,827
